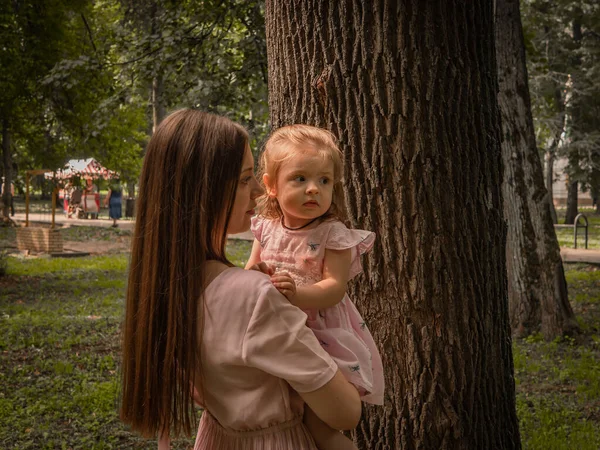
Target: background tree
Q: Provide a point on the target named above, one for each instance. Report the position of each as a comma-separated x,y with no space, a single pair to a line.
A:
89,93
410,90
537,290
562,41
31,37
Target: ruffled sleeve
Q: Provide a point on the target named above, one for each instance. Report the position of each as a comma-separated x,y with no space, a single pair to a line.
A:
257,224
277,341
360,241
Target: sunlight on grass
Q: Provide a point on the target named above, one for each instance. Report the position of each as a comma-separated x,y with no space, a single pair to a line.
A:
46,265
59,355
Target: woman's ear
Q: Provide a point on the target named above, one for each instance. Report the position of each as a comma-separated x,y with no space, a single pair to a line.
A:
269,185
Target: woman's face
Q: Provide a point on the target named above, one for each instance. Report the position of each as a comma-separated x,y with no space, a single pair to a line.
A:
248,191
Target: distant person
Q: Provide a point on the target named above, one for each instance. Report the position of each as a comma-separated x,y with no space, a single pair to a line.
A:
91,189
67,191
114,200
75,203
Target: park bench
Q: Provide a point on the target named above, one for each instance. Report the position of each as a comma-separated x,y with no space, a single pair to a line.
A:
576,227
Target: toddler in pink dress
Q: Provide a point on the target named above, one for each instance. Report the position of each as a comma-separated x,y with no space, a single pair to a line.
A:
300,234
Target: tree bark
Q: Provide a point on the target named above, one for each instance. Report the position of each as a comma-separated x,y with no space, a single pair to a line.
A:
550,156
410,91
7,161
537,301
574,111
572,202
158,108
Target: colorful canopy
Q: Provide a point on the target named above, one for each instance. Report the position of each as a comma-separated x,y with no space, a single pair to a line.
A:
84,168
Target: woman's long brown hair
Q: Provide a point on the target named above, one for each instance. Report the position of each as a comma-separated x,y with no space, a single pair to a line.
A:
187,190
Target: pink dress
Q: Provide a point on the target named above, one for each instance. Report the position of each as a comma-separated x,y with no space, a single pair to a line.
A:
257,354
340,329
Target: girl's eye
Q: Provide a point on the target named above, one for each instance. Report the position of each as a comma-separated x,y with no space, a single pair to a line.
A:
325,180
299,178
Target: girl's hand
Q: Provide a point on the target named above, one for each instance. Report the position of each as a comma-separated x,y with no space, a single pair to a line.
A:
262,267
284,284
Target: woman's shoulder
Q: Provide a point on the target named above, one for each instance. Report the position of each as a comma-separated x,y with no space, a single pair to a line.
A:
239,292
239,284
234,277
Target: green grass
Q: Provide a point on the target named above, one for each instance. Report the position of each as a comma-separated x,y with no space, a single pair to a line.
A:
566,238
59,352
558,382
87,233
59,356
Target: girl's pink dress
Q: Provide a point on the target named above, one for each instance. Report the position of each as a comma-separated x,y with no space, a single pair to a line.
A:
340,329
257,354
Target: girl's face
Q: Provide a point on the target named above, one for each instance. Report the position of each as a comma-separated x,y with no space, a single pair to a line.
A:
304,187
245,198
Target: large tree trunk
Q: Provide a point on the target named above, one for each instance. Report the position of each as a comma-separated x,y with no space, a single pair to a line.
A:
410,90
7,161
537,293
574,111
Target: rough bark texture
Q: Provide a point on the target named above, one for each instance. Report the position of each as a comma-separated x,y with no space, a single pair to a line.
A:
158,108
549,180
537,291
573,110
410,90
572,202
7,161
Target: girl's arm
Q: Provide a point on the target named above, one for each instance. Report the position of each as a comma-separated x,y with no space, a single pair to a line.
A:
254,262
327,292
254,255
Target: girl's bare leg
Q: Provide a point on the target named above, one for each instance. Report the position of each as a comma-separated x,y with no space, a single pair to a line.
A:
325,437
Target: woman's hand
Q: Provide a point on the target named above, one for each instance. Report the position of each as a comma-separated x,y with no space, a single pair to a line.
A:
284,284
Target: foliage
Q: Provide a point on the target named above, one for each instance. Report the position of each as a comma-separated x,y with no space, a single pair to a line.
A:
558,382
59,343
80,85
59,352
209,55
562,41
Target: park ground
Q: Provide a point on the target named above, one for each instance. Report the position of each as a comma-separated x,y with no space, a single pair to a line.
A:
59,351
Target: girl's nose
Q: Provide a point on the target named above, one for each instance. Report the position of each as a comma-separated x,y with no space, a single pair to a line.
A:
312,188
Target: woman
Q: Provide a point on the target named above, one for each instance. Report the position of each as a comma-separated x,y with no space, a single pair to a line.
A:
113,201
197,325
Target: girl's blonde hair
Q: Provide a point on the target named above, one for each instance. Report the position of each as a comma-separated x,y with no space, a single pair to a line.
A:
289,141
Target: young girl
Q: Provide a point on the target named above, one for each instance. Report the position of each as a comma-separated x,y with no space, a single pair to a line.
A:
300,233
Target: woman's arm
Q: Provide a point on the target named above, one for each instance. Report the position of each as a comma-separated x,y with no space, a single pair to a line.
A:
164,443
327,292
107,198
337,403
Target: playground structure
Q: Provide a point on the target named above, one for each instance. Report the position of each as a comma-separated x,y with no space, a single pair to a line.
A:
49,240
